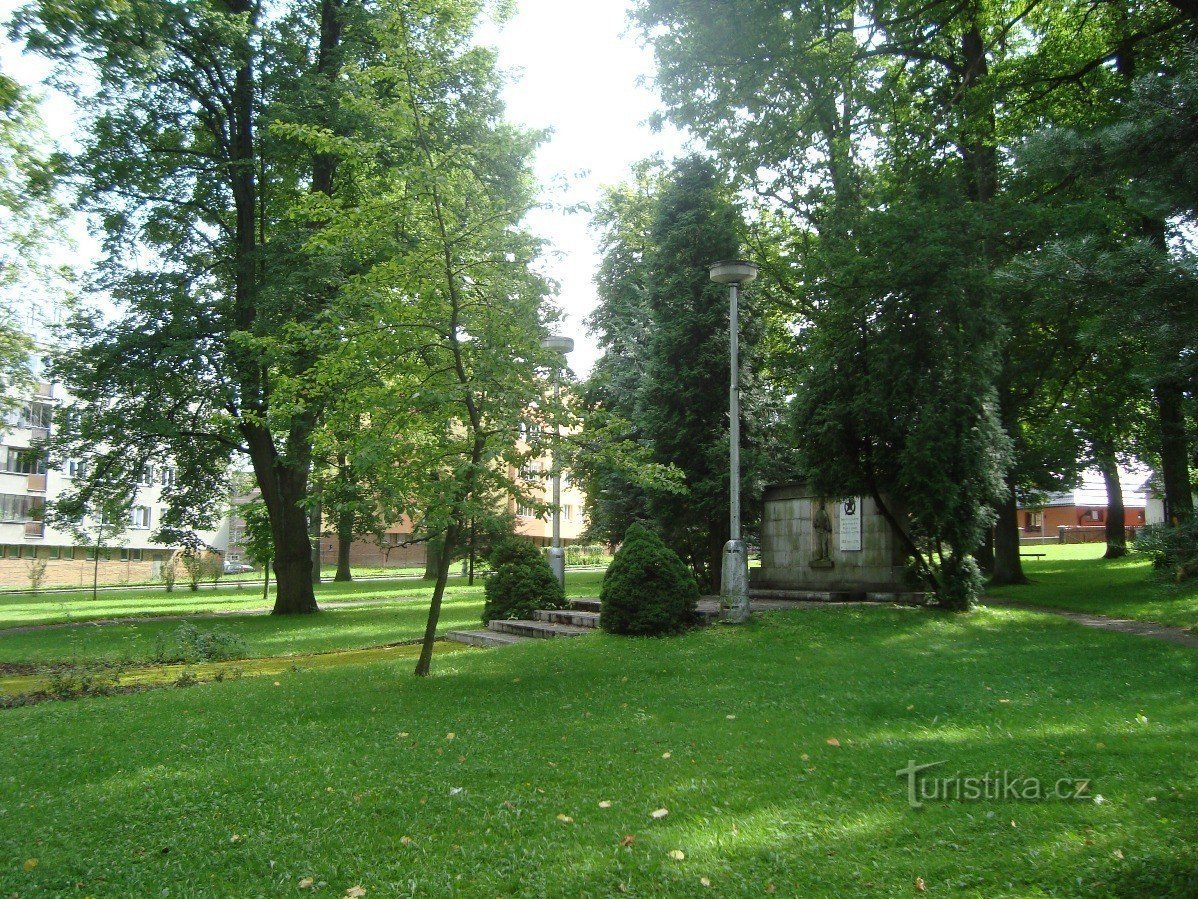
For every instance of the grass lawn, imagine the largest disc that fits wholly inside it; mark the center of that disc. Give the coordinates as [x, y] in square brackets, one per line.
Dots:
[774, 747]
[1078, 578]
[55, 608]
[268, 635]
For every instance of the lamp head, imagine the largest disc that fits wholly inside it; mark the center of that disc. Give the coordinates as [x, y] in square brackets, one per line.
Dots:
[733, 271]
[558, 343]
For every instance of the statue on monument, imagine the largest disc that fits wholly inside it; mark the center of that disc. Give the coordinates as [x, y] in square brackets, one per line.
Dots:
[821, 532]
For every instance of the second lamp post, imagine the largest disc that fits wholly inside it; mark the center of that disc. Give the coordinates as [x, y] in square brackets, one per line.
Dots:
[557, 556]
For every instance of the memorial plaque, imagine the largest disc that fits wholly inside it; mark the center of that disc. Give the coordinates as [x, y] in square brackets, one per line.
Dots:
[850, 524]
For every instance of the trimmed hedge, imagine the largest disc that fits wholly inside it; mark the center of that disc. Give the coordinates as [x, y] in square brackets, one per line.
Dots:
[647, 590]
[521, 582]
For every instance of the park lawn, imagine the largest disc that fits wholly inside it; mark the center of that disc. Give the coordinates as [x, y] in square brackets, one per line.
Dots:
[774, 747]
[1077, 578]
[399, 616]
[34, 609]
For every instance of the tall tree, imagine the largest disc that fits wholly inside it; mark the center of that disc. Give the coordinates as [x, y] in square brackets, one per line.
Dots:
[198, 162]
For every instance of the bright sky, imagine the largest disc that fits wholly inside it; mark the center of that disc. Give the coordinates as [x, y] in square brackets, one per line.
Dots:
[575, 71]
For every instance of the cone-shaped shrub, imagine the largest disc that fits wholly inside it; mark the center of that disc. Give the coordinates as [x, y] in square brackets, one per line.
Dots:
[521, 583]
[647, 589]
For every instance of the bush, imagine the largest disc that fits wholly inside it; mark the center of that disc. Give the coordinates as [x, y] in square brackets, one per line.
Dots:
[520, 583]
[1174, 549]
[647, 589]
[195, 645]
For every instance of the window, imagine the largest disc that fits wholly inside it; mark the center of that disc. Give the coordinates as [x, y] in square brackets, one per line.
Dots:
[526, 512]
[30, 552]
[146, 477]
[19, 460]
[12, 552]
[567, 513]
[139, 518]
[76, 469]
[36, 415]
[20, 508]
[167, 475]
[68, 552]
[1034, 520]
[55, 552]
[124, 555]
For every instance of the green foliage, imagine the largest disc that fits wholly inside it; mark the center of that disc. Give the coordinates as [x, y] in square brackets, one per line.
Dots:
[647, 590]
[520, 583]
[192, 644]
[663, 379]
[1172, 548]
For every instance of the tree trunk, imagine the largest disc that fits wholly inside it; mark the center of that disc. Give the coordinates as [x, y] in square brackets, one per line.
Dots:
[315, 528]
[1175, 466]
[1008, 566]
[985, 553]
[293, 547]
[434, 611]
[432, 558]
[345, 540]
[1116, 518]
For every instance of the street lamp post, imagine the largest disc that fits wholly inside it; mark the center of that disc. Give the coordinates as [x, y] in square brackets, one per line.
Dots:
[557, 556]
[734, 575]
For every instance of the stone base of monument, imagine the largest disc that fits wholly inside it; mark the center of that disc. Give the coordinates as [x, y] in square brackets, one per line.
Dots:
[828, 549]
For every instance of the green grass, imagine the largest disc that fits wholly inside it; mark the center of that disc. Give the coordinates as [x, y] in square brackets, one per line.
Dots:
[1079, 579]
[401, 618]
[454, 785]
[46, 608]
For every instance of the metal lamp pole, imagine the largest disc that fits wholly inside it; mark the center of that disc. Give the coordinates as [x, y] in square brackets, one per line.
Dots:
[734, 575]
[557, 556]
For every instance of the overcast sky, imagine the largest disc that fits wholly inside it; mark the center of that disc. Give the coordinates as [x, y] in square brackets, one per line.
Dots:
[576, 72]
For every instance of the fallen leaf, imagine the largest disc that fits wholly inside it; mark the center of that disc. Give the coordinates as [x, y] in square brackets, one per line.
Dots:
[665, 755]
[1100, 745]
[705, 881]
[628, 840]
[606, 803]
[305, 883]
[1118, 853]
[402, 734]
[406, 840]
[770, 888]
[277, 684]
[920, 885]
[677, 855]
[910, 708]
[805, 757]
[660, 813]
[565, 819]
[515, 680]
[236, 838]
[453, 791]
[355, 893]
[832, 741]
[730, 717]
[1004, 700]
[30, 864]
[451, 735]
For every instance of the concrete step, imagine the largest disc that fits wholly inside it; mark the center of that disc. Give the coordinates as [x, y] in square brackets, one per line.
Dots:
[585, 605]
[541, 629]
[567, 616]
[485, 639]
[766, 595]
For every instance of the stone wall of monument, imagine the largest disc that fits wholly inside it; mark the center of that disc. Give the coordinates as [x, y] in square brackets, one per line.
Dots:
[790, 546]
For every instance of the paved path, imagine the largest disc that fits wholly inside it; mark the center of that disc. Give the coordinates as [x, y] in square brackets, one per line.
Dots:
[1168, 633]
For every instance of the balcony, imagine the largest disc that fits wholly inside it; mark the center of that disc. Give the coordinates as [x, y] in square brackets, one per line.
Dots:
[35, 530]
[37, 483]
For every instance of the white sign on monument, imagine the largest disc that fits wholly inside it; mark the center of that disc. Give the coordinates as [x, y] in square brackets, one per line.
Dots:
[850, 524]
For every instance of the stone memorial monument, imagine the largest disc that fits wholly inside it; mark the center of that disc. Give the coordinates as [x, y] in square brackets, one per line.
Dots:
[829, 548]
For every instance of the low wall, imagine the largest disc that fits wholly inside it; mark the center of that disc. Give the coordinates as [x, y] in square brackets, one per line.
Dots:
[78, 572]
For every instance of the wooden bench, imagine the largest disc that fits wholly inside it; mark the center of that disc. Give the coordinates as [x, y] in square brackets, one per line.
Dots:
[1032, 555]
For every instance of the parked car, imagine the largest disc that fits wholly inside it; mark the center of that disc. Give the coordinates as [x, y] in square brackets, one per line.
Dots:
[238, 568]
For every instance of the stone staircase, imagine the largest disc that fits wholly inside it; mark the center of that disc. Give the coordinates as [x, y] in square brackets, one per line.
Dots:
[581, 618]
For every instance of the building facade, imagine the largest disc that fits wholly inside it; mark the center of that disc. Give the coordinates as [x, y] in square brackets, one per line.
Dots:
[32, 552]
[1079, 516]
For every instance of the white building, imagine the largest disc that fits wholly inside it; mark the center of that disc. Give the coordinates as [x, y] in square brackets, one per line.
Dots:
[26, 485]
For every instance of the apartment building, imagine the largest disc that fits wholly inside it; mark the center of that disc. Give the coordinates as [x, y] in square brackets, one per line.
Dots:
[29, 543]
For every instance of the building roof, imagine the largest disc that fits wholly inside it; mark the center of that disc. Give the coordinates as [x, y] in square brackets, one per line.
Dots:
[1092, 491]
